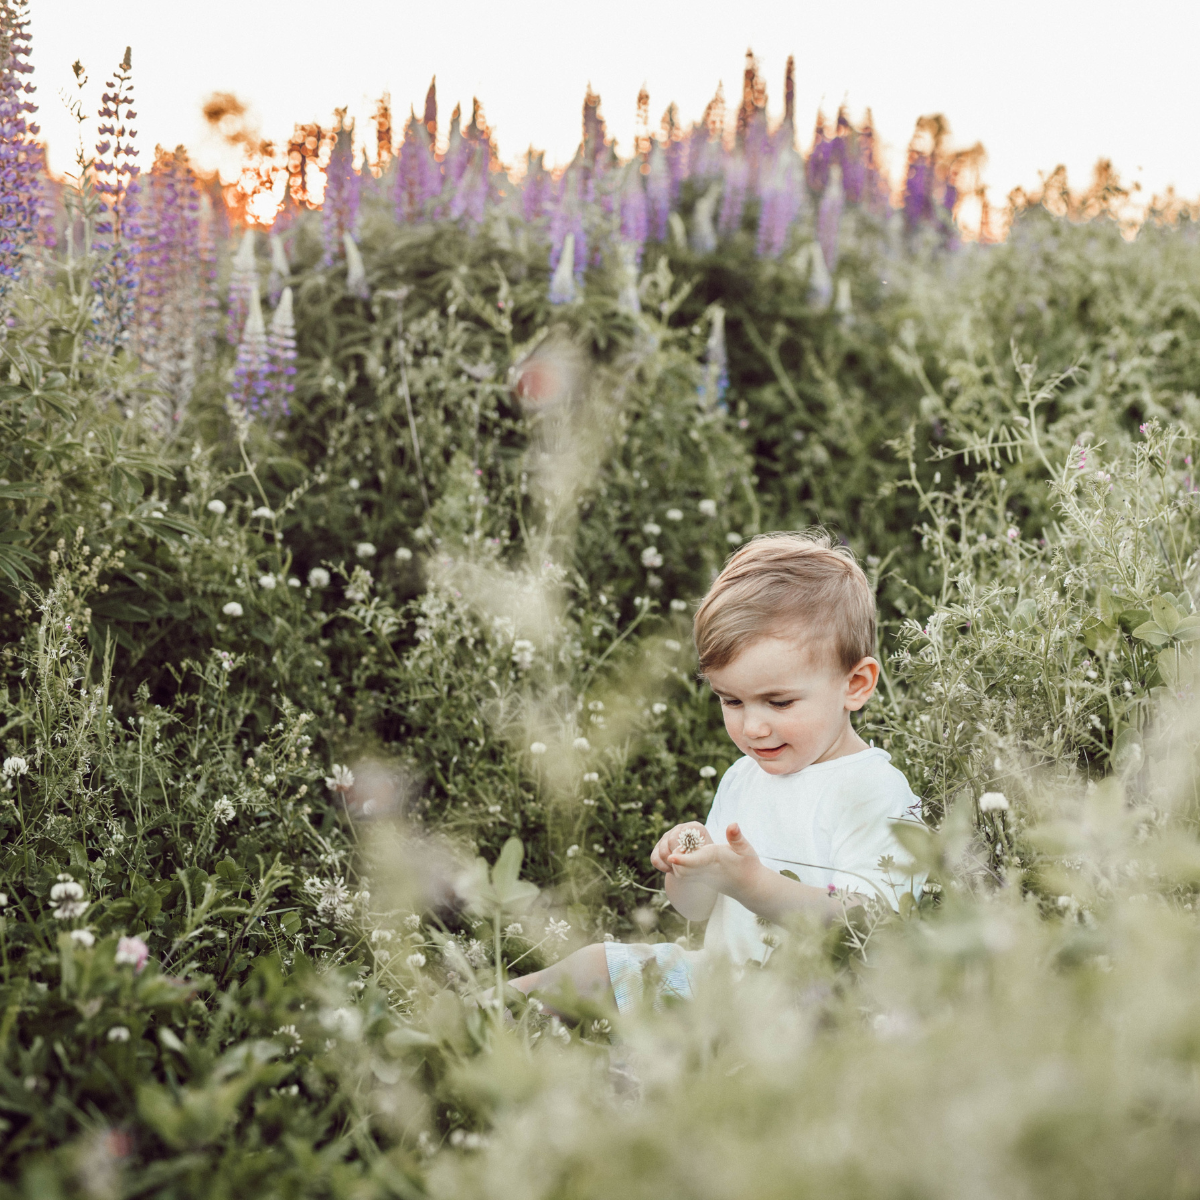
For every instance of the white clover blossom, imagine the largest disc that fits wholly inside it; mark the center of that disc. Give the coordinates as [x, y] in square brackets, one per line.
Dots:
[359, 586]
[340, 779]
[537, 748]
[413, 922]
[672, 645]
[690, 841]
[365, 549]
[3, 899]
[118, 1033]
[582, 744]
[707, 772]
[294, 582]
[333, 899]
[232, 609]
[267, 582]
[522, 654]
[224, 811]
[652, 529]
[216, 506]
[658, 708]
[733, 538]
[83, 937]
[403, 554]
[708, 508]
[674, 514]
[651, 557]
[262, 511]
[14, 766]
[66, 890]
[558, 931]
[318, 577]
[415, 961]
[516, 929]
[679, 606]
[591, 777]
[292, 1036]
[572, 851]
[993, 802]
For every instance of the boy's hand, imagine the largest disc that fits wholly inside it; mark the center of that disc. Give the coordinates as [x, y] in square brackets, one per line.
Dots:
[731, 869]
[668, 845]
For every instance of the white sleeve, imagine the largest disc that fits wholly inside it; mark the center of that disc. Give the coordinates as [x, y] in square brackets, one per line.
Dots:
[863, 837]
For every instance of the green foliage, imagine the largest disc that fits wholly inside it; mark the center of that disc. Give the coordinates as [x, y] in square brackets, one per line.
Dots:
[464, 566]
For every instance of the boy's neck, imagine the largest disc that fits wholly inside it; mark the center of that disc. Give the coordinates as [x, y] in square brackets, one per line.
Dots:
[847, 742]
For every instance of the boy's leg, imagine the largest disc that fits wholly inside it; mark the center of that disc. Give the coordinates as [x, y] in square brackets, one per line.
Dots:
[585, 971]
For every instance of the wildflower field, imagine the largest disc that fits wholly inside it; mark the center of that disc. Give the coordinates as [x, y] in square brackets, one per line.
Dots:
[348, 551]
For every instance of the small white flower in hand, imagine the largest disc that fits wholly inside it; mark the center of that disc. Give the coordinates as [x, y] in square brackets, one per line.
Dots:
[689, 841]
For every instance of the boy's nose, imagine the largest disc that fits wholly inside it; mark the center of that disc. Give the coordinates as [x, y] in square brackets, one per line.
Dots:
[756, 725]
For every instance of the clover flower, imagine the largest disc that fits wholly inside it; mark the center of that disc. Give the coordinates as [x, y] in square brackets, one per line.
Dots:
[224, 811]
[559, 931]
[83, 937]
[537, 748]
[652, 529]
[118, 1033]
[651, 557]
[216, 506]
[582, 744]
[523, 654]
[672, 645]
[343, 189]
[415, 961]
[280, 368]
[267, 582]
[707, 772]
[133, 952]
[403, 554]
[340, 779]
[318, 577]
[708, 508]
[658, 708]
[365, 549]
[67, 899]
[572, 851]
[516, 929]
[591, 777]
[689, 841]
[263, 511]
[14, 766]
[679, 606]
[674, 514]
[232, 609]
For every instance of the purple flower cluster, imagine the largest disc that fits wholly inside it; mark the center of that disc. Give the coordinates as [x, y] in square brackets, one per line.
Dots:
[281, 357]
[343, 191]
[251, 382]
[118, 231]
[172, 312]
[21, 159]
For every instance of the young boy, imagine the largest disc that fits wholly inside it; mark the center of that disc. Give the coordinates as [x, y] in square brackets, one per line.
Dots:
[786, 640]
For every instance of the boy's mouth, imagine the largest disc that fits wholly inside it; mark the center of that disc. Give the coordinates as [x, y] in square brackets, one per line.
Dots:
[768, 751]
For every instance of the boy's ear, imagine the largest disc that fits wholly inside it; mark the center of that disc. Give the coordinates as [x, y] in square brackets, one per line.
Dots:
[861, 683]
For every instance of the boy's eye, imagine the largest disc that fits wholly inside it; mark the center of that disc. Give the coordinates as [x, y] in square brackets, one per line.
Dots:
[729, 702]
[782, 703]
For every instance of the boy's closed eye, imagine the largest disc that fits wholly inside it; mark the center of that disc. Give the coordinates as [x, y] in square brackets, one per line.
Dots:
[730, 702]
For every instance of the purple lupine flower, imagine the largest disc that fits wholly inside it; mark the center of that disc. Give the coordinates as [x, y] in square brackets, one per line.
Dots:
[117, 228]
[281, 357]
[566, 219]
[659, 191]
[21, 159]
[850, 157]
[343, 190]
[458, 153]
[829, 217]
[171, 304]
[820, 158]
[782, 199]
[250, 375]
[705, 152]
[675, 149]
[635, 213]
[429, 119]
[875, 188]
[733, 203]
[242, 278]
[918, 189]
[537, 188]
[418, 176]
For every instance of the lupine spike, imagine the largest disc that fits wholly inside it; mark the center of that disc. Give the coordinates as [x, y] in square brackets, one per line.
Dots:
[280, 268]
[21, 163]
[343, 189]
[635, 216]
[281, 356]
[829, 217]
[250, 382]
[242, 277]
[356, 271]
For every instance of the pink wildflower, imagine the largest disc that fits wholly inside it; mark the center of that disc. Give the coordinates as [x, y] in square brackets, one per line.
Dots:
[132, 951]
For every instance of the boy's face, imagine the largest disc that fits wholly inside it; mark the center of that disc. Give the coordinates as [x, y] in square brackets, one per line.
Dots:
[787, 707]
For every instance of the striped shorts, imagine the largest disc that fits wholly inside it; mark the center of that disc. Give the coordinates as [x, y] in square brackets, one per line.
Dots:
[666, 965]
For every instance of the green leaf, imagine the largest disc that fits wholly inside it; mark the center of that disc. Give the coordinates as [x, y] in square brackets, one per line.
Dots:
[1165, 613]
[1152, 632]
[1024, 615]
[1188, 630]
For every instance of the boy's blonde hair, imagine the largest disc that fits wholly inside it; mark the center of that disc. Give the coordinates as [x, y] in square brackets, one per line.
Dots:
[785, 585]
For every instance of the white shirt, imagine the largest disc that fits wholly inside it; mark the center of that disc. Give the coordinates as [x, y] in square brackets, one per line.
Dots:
[828, 824]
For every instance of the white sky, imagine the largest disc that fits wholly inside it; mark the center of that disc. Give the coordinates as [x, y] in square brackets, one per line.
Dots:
[1037, 81]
